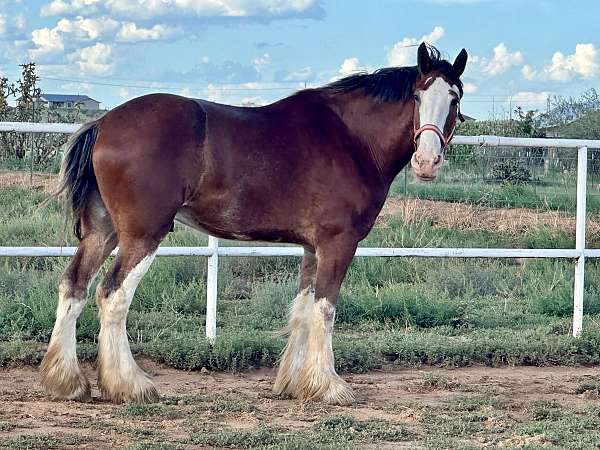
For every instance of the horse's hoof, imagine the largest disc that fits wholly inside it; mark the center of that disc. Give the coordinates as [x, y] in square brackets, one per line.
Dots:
[64, 380]
[137, 388]
[339, 394]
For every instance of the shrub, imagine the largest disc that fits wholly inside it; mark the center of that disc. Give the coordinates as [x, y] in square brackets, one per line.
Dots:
[512, 172]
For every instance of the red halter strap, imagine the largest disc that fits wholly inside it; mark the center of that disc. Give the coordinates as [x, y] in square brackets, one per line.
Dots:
[431, 127]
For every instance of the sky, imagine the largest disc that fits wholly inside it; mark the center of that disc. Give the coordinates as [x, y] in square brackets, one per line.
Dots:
[257, 51]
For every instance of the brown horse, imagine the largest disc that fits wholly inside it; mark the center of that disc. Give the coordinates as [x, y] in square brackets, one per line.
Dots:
[312, 169]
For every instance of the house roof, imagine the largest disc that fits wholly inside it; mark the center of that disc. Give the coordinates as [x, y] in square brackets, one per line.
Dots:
[66, 98]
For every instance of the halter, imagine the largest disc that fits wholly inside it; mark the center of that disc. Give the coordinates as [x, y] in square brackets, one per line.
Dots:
[432, 127]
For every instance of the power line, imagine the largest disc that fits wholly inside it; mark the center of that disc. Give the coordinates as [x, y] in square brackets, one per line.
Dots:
[159, 85]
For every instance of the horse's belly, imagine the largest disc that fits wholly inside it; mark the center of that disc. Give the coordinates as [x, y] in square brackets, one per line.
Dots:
[187, 217]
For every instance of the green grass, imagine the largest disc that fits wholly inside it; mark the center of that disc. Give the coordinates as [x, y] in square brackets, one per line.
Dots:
[402, 311]
[43, 442]
[331, 432]
[457, 184]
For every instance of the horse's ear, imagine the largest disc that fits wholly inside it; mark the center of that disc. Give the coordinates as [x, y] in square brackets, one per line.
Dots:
[423, 59]
[460, 62]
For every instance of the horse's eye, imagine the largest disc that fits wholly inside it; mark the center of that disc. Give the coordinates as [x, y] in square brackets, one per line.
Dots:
[454, 102]
[416, 97]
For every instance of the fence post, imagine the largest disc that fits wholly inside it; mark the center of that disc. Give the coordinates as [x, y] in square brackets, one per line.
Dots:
[211, 289]
[580, 241]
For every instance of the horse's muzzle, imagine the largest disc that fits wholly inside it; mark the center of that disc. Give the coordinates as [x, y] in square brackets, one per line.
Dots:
[426, 164]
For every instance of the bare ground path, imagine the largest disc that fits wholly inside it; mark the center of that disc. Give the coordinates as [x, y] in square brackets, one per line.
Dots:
[479, 406]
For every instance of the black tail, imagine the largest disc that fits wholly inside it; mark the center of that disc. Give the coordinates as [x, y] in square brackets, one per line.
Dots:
[77, 179]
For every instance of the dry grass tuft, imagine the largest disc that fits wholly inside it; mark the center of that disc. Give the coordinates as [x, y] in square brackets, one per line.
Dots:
[466, 216]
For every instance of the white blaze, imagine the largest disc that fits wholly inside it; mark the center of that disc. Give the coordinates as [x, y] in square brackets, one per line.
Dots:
[434, 109]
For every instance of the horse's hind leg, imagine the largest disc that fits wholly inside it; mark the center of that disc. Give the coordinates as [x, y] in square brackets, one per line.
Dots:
[61, 375]
[119, 377]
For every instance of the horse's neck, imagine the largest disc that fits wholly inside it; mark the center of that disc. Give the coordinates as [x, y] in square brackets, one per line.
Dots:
[385, 129]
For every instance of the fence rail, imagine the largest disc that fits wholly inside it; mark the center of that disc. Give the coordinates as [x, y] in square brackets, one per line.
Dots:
[213, 251]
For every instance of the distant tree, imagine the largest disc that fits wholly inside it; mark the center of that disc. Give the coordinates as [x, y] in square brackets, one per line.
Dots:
[27, 93]
[525, 123]
[44, 149]
[565, 110]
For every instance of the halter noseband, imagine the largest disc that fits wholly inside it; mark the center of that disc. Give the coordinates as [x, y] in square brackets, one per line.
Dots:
[432, 127]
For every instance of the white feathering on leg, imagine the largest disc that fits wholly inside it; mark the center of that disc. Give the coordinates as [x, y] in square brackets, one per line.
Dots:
[61, 375]
[307, 369]
[119, 377]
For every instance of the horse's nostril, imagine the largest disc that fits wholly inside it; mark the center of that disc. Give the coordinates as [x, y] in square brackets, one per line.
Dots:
[437, 160]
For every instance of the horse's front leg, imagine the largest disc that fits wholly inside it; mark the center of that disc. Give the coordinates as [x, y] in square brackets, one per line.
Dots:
[308, 370]
[292, 359]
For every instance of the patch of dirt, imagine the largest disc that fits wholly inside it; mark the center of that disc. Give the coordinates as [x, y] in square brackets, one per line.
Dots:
[391, 395]
[46, 182]
[466, 216]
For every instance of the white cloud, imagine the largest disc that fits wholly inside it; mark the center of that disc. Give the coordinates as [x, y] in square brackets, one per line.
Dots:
[55, 8]
[530, 99]
[348, 67]
[92, 28]
[53, 40]
[582, 62]
[404, 53]
[93, 60]
[564, 68]
[123, 93]
[261, 61]
[502, 60]
[147, 9]
[47, 41]
[469, 88]
[130, 32]
[528, 72]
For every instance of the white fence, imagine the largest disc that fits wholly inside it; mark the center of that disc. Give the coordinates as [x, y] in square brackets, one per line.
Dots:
[213, 251]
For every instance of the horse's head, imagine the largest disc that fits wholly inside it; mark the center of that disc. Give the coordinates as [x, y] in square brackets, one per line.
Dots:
[437, 95]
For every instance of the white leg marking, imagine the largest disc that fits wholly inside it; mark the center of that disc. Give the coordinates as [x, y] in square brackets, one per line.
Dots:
[61, 374]
[307, 367]
[120, 378]
[294, 354]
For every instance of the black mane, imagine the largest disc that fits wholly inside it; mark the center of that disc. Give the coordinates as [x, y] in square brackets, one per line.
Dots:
[392, 83]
